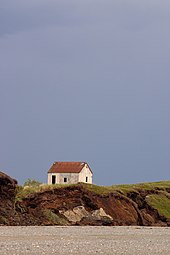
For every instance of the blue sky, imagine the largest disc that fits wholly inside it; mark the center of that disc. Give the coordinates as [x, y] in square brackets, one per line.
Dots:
[85, 81]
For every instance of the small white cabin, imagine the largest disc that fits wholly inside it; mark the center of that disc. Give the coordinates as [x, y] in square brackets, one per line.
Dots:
[69, 173]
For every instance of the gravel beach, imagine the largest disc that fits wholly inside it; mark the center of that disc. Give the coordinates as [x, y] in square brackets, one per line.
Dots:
[84, 240]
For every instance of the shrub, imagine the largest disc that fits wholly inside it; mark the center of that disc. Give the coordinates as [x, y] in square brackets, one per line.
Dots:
[30, 182]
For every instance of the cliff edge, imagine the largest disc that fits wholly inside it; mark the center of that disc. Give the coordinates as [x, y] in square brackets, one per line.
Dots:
[146, 204]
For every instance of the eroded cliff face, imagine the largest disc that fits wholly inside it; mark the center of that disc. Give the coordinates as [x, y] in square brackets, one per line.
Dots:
[7, 199]
[76, 205]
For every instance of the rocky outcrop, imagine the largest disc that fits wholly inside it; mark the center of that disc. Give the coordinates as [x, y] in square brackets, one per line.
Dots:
[79, 214]
[7, 199]
[76, 214]
[100, 213]
[77, 205]
[97, 218]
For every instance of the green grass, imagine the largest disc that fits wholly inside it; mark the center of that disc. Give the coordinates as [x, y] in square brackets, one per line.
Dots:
[125, 188]
[54, 218]
[101, 190]
[160, 202]
[24, 191]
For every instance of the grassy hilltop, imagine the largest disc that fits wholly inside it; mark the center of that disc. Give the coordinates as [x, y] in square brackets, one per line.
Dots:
[143, 204]
[158, 193]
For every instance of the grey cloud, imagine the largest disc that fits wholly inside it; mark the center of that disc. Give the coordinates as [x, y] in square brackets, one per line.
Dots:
[85, 80]
[25, 15]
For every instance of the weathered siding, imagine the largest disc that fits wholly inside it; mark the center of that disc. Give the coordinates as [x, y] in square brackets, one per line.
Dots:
[71, 178]
[85, 172]
[50, 177]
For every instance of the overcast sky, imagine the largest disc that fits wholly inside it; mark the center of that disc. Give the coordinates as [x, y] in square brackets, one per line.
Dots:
[85, 80]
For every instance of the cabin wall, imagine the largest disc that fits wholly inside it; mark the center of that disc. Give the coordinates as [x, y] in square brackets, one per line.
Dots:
[85, 173]
[64, 178]
[70, 178]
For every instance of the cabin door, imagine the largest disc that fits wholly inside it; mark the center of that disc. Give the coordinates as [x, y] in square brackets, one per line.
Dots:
[53, 179]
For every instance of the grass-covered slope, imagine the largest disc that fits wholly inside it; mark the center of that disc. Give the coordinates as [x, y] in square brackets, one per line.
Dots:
[154, 195]
[23, 191]
[160, 202]
[125, 188]
[146, 204]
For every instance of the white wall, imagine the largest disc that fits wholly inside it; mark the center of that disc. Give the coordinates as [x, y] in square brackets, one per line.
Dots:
[72, 177]
[85, 172]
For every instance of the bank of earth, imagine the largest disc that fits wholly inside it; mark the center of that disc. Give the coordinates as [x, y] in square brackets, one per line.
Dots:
[145, 204]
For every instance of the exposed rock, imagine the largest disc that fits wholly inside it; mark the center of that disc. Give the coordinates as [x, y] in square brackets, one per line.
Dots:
[7, 199]
[96, 221]
[76, 214]
[148, 218]
[76, 205]
[97, 218]
[101, 213]
[7, 185]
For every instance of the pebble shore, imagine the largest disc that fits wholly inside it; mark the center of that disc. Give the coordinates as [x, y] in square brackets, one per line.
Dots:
[84, 240]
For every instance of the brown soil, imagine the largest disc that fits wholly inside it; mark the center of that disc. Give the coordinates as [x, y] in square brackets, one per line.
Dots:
[45, 208]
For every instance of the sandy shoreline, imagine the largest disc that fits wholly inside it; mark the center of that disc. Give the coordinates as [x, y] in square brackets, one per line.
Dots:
[84, 240]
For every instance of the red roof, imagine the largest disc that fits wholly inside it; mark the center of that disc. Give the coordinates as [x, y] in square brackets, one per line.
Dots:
[67, 167]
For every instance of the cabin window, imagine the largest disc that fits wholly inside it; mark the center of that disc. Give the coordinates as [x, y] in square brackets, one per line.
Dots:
[65, 179]
[86, 179]
[53, 179]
